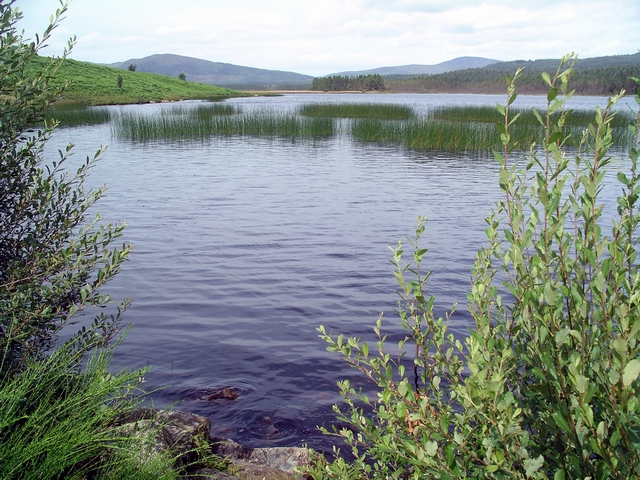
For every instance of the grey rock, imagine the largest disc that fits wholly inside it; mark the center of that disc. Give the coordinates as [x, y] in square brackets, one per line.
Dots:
[185, 436]
[271, 463]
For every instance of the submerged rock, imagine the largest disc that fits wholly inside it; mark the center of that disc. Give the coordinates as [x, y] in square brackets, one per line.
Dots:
[210, 394]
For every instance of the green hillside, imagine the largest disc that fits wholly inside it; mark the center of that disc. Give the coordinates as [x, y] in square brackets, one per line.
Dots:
[99, 85]
[217, 73]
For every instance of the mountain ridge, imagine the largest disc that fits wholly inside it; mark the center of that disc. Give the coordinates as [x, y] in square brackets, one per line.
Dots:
[213, 73]
[459, 63]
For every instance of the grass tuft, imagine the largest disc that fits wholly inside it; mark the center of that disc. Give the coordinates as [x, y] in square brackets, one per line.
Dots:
[56, 421]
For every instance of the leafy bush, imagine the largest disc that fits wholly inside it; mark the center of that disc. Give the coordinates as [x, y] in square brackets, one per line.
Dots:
[57, 405]
[53, 259]
[546, 383]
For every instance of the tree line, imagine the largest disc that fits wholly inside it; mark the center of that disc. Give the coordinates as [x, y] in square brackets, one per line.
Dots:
[597, 81]
[335, 83]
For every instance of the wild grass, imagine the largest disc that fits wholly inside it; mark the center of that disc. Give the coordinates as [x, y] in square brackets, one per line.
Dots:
[206, 111]
[56, 422]
[424, 134]
[358, 110]
[473, 129]
[487, 114]
[203, 124]
[77, 113]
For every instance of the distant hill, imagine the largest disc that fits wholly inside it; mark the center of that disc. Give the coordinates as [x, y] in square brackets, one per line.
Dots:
[594, 76]
[549, 65]
[215, 73]
[459, 63]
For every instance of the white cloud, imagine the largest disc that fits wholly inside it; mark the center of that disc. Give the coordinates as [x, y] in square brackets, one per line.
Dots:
[329, 36]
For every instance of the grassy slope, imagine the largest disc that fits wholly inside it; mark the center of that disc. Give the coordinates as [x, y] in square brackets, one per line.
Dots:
[98, 85]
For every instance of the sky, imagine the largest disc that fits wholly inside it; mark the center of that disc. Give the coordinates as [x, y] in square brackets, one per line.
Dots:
[327, 36]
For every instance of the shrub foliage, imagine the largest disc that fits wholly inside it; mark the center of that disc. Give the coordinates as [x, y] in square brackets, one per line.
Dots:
[546, 383]
[53, 259]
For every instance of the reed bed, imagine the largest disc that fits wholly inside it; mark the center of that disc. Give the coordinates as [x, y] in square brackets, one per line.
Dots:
[206, 111]
[487, 114]
[203, 110]
[387, 111]
[426, 134]
[165, 126]
[76, 113]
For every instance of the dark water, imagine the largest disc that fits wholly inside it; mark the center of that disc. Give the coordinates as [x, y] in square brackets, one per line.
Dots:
[244, 246]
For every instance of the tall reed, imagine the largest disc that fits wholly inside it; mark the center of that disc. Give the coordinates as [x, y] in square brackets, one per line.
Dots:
[358, 110]
[580, 118]
[431, 134]
[261, 123]
[77, 113]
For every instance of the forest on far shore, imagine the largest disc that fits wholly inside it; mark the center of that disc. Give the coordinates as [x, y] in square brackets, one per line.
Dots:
[597, 81]
[605, 75]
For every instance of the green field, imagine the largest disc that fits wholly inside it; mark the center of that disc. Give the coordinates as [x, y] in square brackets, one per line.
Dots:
[98, 85]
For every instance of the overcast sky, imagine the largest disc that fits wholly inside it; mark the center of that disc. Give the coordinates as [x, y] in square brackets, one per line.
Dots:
[326, 36]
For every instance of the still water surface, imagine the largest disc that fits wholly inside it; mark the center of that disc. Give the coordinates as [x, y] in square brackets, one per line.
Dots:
[244, 246]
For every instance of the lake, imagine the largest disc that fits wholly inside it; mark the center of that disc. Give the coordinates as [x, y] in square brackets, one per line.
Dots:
[243, 246]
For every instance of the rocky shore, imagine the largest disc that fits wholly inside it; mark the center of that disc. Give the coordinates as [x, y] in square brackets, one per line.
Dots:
[186, 437]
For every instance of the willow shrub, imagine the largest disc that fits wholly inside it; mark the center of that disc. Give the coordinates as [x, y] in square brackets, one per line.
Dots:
[546, 383]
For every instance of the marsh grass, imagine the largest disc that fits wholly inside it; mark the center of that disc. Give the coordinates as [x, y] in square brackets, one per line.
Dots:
[204, 124]
[423, 134]
[69, 114]
[206, 111]
[56, 419]
[486, 114]
[358, 110]
[447, 129]
[473, 129]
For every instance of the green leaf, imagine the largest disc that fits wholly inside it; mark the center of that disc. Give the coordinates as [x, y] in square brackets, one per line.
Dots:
[550, 294]
[546, 78]
[598, 282]
[504, 176]
[537, 115]
[582, 383]
[622, 178]
[562, 336]
[554, 137]
[403, 388]
[631, 372]
[562, 422]
[532, 465]
[431, 448]
[559, 475]
[552, 94]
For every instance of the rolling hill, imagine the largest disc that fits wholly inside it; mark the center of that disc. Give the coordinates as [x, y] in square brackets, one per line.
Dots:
[99, 85]
[550, 65]
[216, 73]
[459, 63]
